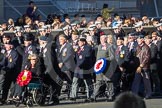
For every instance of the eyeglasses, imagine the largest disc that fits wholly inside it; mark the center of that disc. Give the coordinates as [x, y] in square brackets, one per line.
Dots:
[32, 59]
[154, 36]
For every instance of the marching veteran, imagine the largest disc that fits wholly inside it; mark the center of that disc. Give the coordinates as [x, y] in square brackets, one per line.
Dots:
[107, 51]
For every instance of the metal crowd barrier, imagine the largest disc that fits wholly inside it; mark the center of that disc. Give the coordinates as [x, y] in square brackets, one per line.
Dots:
[107, 30]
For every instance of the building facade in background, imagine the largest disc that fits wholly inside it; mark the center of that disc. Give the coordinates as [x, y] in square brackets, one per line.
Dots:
[16, 8]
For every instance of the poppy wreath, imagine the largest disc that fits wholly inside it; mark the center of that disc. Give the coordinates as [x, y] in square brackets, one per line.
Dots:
[24, 78]
[100, 66]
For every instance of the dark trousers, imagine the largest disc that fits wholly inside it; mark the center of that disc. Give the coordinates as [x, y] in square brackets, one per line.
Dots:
[67, 76]
[2, 78]
[145, 77]
[126, 81]
[155, 81]
[116, 82]
[160, 72]
[8, 80]
[101, 86]
[55, 88]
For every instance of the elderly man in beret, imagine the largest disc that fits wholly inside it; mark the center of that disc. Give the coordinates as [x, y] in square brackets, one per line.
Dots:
[83, 69]
[28, 48]
[9, 69]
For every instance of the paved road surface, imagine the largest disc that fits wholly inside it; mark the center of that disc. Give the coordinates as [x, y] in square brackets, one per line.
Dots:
[151, 103]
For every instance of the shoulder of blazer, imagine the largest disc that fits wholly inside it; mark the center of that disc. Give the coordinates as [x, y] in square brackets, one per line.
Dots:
[68, 44]
[124, 47]
[153, 45]
[13, 51]
[88, 47]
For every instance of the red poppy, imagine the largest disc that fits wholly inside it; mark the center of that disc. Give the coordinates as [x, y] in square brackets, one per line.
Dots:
[24, 78]
[99, 65]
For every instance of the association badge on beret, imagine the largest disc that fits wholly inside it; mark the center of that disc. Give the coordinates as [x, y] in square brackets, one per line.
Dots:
[100, 66]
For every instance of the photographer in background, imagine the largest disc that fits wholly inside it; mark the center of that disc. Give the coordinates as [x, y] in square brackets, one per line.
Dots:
[30, 12]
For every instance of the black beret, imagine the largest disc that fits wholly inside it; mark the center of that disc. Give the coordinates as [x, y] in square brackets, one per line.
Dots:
[28, 37]
[82, 15]
[120, 38]
[9, 43]
[6, 36]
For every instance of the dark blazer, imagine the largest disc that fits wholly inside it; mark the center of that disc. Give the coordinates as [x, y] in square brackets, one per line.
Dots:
[66, 56]
[9, 64]
[11, 61]
[25, 52]
[133, 60]
[154, 52]
[51, 62]
[132, 49]
[84, 63]
[159, 45]
[1, 60]
[121, 56]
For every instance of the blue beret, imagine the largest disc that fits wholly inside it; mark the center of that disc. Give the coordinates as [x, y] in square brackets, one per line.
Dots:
[43, 38]
[141, 36]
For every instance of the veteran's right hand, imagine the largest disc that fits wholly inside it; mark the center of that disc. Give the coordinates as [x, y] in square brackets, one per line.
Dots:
[139, 69]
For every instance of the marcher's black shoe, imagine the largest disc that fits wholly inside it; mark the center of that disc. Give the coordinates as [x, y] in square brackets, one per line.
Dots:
[53, 103]
[89, 100]
[157, 94]
[66, 90]
[2, 102]
[72, 99]
[93, 100]
[110, 99]
[147, 97]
